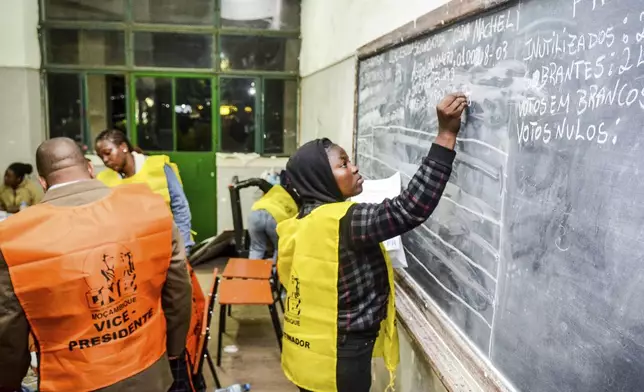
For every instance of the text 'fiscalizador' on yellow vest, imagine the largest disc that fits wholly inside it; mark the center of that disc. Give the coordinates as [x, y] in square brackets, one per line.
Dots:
[152, 173]
[278, 202]
[307, 263]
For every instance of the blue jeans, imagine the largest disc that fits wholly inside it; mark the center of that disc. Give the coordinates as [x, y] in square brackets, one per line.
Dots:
[262, 228]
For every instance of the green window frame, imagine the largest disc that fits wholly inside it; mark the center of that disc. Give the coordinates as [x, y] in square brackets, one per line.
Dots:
[131, 71]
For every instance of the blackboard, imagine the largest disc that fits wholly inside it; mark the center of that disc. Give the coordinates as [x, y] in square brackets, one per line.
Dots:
[536, 251]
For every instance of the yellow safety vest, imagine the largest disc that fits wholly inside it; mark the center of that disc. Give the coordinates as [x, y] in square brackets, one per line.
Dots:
[278, 202]
[307, 263]
[152, 173]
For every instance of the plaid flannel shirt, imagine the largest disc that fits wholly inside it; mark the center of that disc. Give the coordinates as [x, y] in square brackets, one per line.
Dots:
[363, 288]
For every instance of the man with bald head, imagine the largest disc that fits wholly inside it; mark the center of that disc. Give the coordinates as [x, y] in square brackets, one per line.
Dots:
[59, 162]
[98, 276]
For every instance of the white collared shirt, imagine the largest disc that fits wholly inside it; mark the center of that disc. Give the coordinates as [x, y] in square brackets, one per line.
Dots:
[63, 184]
[139, 161]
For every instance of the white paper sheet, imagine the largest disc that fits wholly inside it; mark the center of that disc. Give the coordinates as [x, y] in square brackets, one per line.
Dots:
[375, 191]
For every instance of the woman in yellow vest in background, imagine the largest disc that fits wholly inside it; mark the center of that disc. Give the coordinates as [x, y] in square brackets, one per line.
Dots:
[127, 164]
[277, 204]
[340, 303]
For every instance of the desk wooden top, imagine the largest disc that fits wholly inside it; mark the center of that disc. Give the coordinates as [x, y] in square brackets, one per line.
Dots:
[245, 292]
[248, 269]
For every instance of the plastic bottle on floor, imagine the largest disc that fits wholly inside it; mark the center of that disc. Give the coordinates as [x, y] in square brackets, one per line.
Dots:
[235, 388]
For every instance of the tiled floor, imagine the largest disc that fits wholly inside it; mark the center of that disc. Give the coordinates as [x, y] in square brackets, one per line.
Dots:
[257, 360]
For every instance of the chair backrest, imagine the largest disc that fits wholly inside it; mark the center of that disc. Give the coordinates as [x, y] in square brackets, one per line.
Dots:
[238, 220]
[202, 346]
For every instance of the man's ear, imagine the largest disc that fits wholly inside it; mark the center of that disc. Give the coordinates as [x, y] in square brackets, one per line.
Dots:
[90, 169]
[43, 183]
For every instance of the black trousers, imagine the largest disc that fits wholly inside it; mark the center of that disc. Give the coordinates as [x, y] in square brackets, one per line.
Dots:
[353, 371]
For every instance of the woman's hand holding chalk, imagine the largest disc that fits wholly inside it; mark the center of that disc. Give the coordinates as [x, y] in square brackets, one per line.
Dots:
[449, 112]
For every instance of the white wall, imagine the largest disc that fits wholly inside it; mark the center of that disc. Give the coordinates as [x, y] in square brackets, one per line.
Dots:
[21, 120]
[19, 46]
[327, 104]
[332, 31]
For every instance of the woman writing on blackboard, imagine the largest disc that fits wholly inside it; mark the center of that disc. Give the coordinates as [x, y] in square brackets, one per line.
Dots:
[340, 305]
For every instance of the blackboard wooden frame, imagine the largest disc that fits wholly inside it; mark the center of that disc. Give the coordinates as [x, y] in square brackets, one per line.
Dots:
[460, 366]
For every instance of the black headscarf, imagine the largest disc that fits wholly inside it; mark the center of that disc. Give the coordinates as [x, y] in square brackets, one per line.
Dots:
[311, 175]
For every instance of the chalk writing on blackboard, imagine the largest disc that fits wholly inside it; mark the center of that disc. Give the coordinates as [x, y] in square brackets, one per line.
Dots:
[535, 250]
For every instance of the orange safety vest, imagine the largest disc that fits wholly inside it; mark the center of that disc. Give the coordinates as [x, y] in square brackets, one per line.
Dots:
[89, 279]
[194, 340]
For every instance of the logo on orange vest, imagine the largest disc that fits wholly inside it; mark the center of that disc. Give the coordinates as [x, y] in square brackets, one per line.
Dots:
[111, 276]
[293, 303]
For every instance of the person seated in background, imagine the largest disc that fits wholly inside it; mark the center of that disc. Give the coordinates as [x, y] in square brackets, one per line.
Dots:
[279, 202]
[127, 164]
[18, 189]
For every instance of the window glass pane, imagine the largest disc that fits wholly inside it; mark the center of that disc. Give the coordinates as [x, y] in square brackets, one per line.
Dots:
[153, 113]
[237, 111]
[174, 11]
[261, 14]
[173, 50]
[194, 114]
[64, 101]
[106, 104]
[85, 10]
[280, 116]
[86, 47]
[259, 53]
